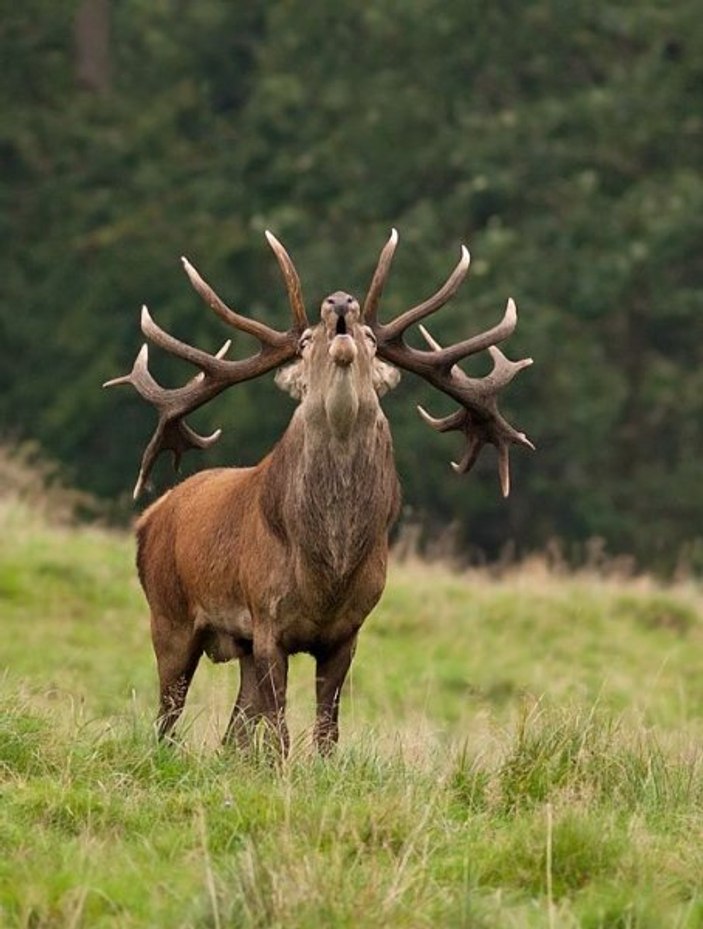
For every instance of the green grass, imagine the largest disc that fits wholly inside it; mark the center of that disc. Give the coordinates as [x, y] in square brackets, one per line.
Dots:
[515, 753]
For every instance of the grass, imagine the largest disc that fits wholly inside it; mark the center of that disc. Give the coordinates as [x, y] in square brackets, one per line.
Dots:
[522, 752]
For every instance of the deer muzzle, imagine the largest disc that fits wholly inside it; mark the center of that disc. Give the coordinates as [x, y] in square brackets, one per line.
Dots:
[343, 350]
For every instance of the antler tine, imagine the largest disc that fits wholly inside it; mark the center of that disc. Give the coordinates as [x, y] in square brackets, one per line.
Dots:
[260, 331]
[395, 329]
[430, 339]
[482, 341]
[504, 370]
[141, 379]
[139, 368]
[200, 376]
[174, 346]
[504, 468]
[378, 281]
[443, 423]
[178, 437]
[292, 281]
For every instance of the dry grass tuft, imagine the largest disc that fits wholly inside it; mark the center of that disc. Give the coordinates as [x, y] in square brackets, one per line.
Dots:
[28, 477]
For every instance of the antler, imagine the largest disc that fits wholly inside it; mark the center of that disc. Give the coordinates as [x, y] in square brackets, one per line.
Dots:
[479, 418]
[216, 373]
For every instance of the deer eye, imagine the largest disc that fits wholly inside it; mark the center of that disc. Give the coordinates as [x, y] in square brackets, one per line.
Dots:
[305, 340]
[368, 332]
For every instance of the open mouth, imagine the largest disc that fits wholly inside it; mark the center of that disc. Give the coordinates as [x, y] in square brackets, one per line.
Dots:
[343, 350]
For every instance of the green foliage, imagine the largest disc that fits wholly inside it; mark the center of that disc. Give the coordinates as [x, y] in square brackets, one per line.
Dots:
[561, 141]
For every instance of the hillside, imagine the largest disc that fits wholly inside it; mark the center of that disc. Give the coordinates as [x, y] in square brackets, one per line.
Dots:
[516, 751]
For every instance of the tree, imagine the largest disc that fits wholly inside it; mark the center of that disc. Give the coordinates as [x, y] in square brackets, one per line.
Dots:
[561, 142]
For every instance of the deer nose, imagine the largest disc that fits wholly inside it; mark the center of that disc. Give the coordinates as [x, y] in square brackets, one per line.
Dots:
[340, 303]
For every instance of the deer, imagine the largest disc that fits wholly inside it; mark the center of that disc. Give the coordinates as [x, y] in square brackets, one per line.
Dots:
[290, 555]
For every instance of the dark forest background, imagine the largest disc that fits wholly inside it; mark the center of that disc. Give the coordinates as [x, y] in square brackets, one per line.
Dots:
[561, 141]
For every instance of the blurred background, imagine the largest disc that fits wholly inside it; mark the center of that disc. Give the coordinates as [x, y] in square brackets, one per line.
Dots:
[561, 141]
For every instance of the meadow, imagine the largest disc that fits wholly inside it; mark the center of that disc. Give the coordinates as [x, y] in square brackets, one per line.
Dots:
[516, 751]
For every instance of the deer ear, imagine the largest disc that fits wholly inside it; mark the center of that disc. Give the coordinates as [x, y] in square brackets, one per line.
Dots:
[385, 377]
[291, 380]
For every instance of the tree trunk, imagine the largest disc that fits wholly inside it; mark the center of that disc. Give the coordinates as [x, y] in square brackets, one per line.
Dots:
[91, 30]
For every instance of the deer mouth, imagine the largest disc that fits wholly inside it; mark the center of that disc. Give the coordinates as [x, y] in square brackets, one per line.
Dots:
[341, 326]
[342, 350]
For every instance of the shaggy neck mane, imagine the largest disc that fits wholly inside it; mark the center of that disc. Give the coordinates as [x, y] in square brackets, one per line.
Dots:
[339, 496]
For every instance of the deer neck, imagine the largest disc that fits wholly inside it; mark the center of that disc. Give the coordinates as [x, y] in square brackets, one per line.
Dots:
[334, 484]
[339, 413]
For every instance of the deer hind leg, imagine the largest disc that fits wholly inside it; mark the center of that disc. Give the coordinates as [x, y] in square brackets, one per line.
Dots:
[271, 673]
[331, 671]
[246, 710]
[178, 652]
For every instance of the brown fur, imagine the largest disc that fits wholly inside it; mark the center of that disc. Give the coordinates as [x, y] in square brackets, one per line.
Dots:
[288, 556]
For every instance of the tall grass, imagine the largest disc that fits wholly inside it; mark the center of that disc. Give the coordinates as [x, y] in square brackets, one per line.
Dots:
[516, 752]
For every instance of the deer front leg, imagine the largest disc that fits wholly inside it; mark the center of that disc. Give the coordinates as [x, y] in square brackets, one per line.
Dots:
[271, 670]
[331, 671]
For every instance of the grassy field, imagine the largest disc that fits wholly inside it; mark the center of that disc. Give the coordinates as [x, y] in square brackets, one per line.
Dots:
[522, 752]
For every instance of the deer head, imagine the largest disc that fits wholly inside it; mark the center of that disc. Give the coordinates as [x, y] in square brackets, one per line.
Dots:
[338, 376]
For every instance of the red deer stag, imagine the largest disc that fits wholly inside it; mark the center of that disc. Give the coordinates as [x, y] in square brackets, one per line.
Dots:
[290, 555]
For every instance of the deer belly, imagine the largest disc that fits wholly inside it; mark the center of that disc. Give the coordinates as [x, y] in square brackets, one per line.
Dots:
[310, 627]
[226, 633]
